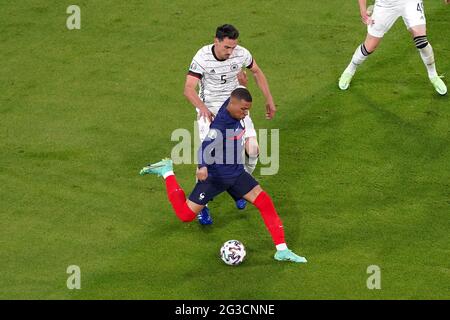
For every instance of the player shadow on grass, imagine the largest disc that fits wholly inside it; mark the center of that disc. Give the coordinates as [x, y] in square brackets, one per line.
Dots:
[411, 129]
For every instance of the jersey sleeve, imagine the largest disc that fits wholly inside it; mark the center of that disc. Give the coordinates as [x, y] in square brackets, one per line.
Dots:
[197, 69]
[248, 59]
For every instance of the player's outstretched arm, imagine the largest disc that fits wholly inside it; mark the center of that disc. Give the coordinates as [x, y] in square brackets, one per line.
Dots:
[191, 94]
[362, 6]
[262, 83]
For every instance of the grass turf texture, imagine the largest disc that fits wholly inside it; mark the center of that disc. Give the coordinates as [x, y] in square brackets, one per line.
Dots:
[364, 174]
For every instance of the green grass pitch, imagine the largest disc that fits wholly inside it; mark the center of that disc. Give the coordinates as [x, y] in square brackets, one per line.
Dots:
[364, 175]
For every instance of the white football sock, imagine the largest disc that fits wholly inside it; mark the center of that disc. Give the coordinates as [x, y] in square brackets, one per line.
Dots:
[168, 173]
[281, 246]
[427, 56]
[358, 58]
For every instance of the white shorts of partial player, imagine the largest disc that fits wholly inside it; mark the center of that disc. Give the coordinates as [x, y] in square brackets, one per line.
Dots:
[386, 12]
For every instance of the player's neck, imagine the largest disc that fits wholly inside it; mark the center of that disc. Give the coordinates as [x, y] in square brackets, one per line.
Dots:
[213, 50]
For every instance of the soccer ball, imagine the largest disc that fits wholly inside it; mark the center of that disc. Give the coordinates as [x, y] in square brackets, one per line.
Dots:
[232, 252]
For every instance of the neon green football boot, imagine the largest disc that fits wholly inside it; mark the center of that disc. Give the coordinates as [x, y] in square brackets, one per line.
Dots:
[288, 255]
[439, 85]
[344, 80]
[159, 168]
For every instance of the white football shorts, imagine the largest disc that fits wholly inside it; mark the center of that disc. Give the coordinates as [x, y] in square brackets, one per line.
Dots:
[412, 12]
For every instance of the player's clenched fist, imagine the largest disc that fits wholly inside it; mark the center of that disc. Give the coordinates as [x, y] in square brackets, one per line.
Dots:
[202, 173]
[270, 110]
[242, 78]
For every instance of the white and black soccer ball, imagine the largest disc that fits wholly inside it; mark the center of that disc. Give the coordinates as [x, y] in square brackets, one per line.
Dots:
[233, 252]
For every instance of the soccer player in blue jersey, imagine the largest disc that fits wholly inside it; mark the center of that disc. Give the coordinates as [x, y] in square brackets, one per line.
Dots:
[220, 169]
[217, 69]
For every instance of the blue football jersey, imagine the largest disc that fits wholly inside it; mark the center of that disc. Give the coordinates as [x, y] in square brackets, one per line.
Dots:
[222, 150]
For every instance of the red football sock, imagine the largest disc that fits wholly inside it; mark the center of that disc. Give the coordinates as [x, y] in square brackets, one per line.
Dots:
[178, 200]
[273, 222]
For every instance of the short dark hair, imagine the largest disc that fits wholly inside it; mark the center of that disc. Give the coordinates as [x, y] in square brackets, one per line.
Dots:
[242, 94]
[227, 31]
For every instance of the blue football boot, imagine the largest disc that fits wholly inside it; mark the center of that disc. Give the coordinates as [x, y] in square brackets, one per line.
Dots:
[204, 218]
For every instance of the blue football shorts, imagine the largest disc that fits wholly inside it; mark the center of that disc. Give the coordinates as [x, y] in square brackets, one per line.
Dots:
[237, 187]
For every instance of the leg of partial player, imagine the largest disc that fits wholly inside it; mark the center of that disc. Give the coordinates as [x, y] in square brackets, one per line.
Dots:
[204, 216]
[185, 210]
[250, 161]
[426, 53]
[251, 154]
[362, 52]
[263, 202]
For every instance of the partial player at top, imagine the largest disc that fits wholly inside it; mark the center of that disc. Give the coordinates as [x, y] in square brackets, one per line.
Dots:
[217, 66]
[380, 21]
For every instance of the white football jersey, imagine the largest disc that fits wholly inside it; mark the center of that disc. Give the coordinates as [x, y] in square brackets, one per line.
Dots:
[218, 78]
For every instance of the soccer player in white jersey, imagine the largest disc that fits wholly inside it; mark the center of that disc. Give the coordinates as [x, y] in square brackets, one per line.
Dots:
[216, 68]
[384, 15]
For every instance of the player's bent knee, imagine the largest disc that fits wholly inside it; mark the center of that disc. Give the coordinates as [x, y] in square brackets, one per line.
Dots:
[371, 43]
[253, 194]
[418, 31]
[195, 207]
[190, 211]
